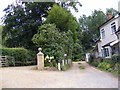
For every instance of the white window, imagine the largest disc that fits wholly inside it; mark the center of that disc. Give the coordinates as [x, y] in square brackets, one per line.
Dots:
[103, 33]
[113, 28]
[106, 52]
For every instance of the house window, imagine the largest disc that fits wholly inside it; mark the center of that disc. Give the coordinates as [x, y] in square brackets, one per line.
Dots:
[106, 52]
[113, 27]
[103, 33]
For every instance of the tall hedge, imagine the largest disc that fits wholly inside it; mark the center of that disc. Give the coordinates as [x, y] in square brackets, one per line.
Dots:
[21, 55]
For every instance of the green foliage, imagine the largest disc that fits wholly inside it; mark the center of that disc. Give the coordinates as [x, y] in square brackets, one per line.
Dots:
[89, 26]
[81, 67]
[21, 23]
[115, 59]
[91, 59]
[50, 63]
[19, 54]
[95, 63]
[70, 4]
[63, 20]
[77, 51]
[52, 42]
[112, 11]
[66, 66]
[11, 61]
[76, 60]
[104, 66]
[110, 70]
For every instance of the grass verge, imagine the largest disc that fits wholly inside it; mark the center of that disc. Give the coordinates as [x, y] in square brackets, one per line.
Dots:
[66, 66]
[81, 67]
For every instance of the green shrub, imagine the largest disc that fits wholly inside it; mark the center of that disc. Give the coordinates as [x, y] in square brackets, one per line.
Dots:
[91, 59]
[76, 60]
[11, 61]
[22, 56]
[107, 66]
[110, 70]
[115, 59]
[100, 59]
[95, 63]
[104, 65]
[52, 63]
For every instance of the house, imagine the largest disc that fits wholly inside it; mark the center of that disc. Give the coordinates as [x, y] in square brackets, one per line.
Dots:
[118, 35]
[108, 43]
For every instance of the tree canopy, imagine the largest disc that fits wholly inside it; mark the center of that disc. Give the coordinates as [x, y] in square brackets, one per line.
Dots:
[52, 41]
[63, 20]
[22, 21]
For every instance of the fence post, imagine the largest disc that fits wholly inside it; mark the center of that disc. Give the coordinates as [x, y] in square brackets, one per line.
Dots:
[59, 66]
[40, 59]
[63, 62]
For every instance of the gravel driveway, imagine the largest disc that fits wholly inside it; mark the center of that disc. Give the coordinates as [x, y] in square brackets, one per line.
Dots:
[28, 77]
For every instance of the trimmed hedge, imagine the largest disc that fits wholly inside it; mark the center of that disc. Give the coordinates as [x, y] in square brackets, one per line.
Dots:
[22, 56]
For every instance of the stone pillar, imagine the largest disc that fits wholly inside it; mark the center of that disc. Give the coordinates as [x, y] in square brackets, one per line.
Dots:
[40, 59]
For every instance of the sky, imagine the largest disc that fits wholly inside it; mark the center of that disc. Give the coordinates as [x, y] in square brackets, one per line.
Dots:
[87, 6]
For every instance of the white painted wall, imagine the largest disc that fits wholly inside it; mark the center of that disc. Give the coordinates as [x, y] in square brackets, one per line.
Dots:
[109, 37]
[99, 49]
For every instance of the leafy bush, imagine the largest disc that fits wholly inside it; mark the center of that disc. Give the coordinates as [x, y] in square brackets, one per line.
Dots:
[95, 63]
[115, 59]
[22, 56]
[52, 63]
[104, 65]
[91, 59]
[110, 70]
[11, 61]
[100, 59]
[76, 60]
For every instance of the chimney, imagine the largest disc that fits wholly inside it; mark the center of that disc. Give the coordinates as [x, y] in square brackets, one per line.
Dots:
[109, 15]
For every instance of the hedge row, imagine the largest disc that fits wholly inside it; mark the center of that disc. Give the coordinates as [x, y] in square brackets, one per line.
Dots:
[22, 56]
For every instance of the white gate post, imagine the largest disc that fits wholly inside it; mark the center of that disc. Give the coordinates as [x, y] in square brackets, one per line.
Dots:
[63, 62]
[59, 66]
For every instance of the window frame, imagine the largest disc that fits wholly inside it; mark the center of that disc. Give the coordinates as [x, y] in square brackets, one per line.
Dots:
[106, 52]
[102, 33]
[113, 28]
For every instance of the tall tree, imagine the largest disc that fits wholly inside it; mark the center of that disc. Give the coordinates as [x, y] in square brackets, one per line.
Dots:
[69, 4]
[63, 20]
[112, 11]
[89, 26]
[53, 42]
[22, 21]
